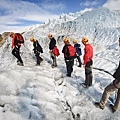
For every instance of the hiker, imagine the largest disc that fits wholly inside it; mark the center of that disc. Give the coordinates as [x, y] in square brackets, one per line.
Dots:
[52, 44]
[16, 44]
[78, 51]
[69, 55]
[37, 50]
[113, 86]
[88, 56]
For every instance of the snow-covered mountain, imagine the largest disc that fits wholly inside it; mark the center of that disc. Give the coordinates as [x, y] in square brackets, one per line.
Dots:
[42, 93]
[101, 26]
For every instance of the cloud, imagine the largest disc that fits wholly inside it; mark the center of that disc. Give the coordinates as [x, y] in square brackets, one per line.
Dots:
[86, 9]
[52, 5]
[12, 12]
[112, 4]
[89, 3]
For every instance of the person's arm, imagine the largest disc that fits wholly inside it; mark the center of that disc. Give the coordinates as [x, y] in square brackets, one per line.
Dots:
[13, 41]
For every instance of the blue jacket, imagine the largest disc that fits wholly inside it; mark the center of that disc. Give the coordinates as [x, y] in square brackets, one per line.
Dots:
[78, 49]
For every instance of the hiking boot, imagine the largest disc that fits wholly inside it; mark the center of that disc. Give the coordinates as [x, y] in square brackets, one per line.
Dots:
[37, 64]
[20, 64]
[68, 75]
[97, 104]
[112, 108]
[85, 86]
[53, 66]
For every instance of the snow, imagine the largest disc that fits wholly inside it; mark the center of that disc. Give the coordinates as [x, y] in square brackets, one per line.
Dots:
[43, 93]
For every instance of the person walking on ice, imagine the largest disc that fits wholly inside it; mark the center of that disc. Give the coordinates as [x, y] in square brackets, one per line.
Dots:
[37, 50]
[17, 40]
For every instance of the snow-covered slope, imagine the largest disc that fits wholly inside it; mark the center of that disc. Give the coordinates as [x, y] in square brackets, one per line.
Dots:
[42, 93]
[101, 26]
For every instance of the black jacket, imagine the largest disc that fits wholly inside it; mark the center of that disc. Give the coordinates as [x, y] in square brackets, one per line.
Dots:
[117, 73]
[52, 43]
[37, 47]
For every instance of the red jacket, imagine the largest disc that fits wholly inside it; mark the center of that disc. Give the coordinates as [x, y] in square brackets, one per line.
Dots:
[88, 53]
[14, 41]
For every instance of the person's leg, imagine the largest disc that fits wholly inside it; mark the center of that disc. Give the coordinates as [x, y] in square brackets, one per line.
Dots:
[79, 60]
[37, 58]
[71, 64]
[88, 73]
[90, 77]
[16, 53]
[110, 88]
[54, 60]
[117, 102]
[69, 68]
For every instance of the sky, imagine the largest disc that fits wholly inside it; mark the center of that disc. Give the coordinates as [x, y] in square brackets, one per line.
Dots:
[16, 15]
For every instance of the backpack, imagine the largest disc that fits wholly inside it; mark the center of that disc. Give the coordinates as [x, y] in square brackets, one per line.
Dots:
[19, 38]
[56, 51]
[72, 51]
[37, 47]
[78, 50]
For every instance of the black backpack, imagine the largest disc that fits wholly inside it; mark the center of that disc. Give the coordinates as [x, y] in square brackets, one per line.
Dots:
[37, 47]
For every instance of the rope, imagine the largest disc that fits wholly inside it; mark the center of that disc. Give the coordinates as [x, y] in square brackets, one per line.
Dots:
[102, 70]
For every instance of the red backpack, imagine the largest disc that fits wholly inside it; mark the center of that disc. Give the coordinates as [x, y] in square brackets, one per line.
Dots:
[72, 50]
[19, 38]
[56, 51]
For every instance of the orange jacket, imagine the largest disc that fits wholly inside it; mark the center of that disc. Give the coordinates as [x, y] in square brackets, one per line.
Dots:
[14, 41]
[88, 53]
